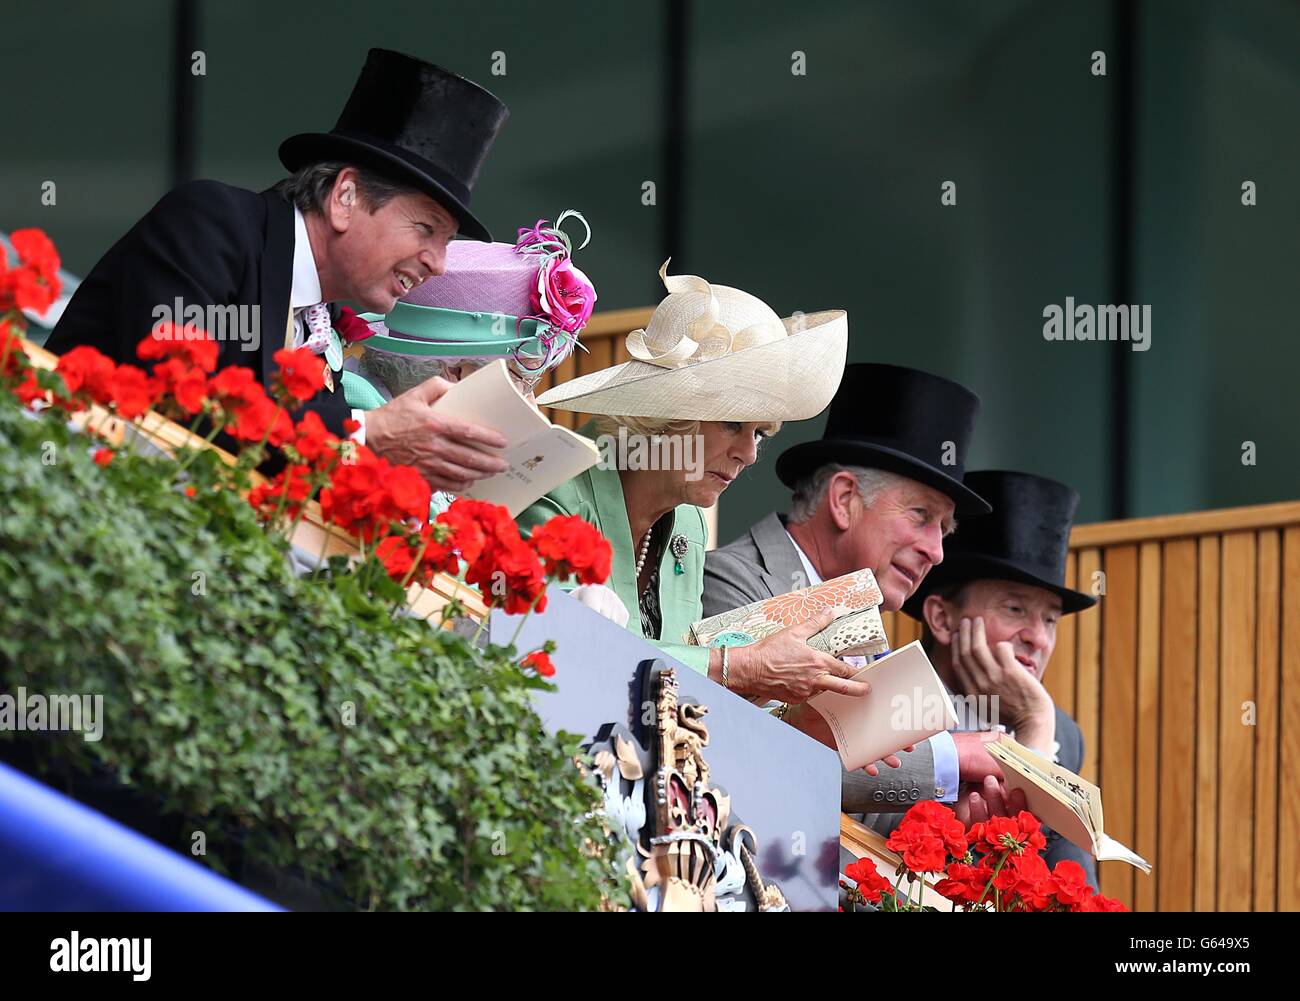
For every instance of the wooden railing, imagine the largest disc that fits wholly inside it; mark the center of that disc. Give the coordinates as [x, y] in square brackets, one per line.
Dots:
[1185, 679]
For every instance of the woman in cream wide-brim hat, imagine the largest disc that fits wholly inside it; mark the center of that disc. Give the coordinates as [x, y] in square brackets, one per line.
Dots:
[714, 372]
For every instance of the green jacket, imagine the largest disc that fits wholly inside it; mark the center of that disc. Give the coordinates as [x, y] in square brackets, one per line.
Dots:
[597, 497]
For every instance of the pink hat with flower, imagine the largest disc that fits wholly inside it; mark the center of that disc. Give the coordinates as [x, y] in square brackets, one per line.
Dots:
[525, 300]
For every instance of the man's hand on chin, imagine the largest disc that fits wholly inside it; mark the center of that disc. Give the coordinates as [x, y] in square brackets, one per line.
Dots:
[451, 454]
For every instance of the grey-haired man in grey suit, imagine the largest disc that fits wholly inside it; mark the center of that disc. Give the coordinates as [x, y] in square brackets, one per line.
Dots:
[880, 489]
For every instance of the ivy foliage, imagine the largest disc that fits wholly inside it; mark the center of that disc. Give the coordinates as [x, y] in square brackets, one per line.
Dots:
[391, 764]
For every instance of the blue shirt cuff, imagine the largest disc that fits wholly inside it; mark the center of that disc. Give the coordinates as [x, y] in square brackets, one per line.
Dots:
[947, 769]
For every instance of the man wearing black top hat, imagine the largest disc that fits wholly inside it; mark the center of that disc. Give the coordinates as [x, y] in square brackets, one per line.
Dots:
[990, 614]
[366, 215]
[880, 489]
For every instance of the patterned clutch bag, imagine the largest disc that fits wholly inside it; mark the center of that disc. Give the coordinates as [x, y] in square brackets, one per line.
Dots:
[854, 599]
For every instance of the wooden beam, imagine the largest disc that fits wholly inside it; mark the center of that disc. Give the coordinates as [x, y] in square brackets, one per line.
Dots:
[1109, 533]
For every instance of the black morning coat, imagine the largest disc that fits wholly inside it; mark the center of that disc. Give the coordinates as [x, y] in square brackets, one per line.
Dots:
[208, 244]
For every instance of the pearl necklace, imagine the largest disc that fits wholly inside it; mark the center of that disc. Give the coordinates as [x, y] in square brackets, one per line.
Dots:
[643, 554]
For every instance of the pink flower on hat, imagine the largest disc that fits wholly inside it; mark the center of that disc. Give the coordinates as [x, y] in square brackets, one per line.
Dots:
[564, 295]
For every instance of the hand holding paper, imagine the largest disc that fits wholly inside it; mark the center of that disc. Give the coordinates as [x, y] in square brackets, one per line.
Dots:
[907, 703]
[539, 455]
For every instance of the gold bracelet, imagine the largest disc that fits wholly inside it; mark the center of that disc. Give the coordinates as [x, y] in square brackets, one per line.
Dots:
[785, 708]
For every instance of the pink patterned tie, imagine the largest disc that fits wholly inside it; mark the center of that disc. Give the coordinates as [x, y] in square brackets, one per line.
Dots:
[316, 324]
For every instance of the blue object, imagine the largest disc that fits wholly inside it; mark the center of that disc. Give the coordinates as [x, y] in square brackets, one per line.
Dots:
[57, 855]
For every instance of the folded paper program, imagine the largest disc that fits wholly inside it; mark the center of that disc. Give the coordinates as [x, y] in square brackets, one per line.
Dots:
[854, 599]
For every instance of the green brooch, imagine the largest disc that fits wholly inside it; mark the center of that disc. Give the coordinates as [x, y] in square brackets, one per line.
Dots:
[678, 547]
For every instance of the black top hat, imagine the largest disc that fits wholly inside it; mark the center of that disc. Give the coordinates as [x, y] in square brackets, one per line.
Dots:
[416, 122]
[898, 419]
[1026, 539]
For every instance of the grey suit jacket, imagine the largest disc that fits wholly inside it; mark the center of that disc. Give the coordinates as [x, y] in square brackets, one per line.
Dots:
[1069, 738]
[763, 563]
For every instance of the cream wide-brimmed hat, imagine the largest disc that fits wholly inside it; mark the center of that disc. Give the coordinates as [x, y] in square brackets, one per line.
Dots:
[714, 353]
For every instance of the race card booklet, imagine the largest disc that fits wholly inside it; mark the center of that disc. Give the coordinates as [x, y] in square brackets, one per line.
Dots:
[907, 703]
[1063, 801]
[853, 599]
[541, 455]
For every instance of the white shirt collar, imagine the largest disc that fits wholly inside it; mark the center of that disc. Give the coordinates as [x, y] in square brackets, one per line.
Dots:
[813, 576]
[306, 281]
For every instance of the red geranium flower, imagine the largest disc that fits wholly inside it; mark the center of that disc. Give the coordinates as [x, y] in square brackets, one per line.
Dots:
[189, 343]
[471, 525]
[540, 662]
[103, 456]
[439, 551]
[572, 547]
[251, 414]
[927, 835]
[518, 571]
[868, 879]
[11, 344]
[133, 391]
[186, 384]
[353, 498]
[406, 494]
[1027, 877]
[397, 556]
[965, 884]
[29, 390]
[921, 849]
[235, 386]
[37, 251]
[1071, 883]
[998, 834]
[29, 291]
[942, 823]
[311, 439]
[1098, 903]
[302, 373]
[89, 372]
[504, 568]
[293, 484]
[34, 284]
[261, 420]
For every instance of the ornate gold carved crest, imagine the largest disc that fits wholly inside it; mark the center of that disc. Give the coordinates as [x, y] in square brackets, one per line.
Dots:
[692, 855]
